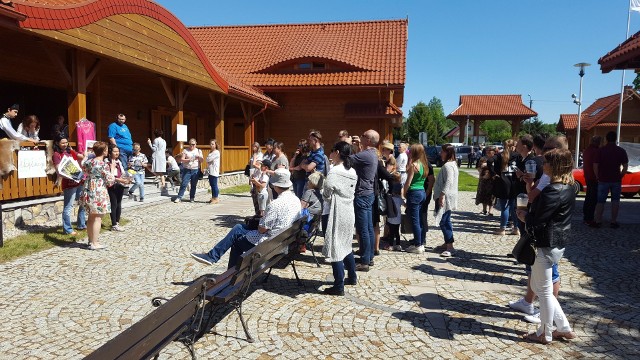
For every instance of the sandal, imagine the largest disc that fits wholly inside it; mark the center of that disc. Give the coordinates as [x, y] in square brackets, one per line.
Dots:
[535, 338]
[447, 253]
[73, 233]
[564, 335]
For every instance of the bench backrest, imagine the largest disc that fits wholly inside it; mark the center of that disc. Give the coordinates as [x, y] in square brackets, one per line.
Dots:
[258, 259]
[148, 336]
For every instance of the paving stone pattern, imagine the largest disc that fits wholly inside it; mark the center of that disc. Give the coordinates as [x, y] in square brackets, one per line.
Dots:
[67, 301]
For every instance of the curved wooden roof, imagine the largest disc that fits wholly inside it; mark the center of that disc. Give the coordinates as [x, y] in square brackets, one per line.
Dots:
[491, 107]
[371, 52]
[624, 56]
[138, 32]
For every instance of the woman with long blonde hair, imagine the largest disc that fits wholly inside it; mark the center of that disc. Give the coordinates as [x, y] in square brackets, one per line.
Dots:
[414, 194]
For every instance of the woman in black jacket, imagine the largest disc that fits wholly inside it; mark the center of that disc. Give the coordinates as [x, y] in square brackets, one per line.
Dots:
[548, 221]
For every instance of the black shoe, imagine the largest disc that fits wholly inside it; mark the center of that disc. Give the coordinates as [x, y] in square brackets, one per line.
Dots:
[371, 263]
[350, 282]
[376, 253]
[362, 267]
[614, 225]
[333, 291]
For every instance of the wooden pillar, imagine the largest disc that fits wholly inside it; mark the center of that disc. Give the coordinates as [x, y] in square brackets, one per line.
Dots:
[462, 124]
[247, 111]
[219, 105]
[177, 93]
[77, 107]
[515, 128]
[476, 131]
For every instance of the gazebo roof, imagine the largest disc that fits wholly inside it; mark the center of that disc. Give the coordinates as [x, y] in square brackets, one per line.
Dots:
[624, 56]
[598, 113]
[491, 107]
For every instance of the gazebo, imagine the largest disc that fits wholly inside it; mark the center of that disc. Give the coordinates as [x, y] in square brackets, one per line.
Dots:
[479, 108]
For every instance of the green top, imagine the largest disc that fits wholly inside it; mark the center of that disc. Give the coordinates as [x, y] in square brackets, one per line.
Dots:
[417, 182]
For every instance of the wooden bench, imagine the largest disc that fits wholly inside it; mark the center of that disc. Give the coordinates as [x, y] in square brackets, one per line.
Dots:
[183, 316]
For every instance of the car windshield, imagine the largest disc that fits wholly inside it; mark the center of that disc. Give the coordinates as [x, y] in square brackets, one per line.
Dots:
[463, 150]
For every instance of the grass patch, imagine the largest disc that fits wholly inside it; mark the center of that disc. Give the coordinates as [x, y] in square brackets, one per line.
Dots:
[33, 242]
[466, 182]
[238, 189]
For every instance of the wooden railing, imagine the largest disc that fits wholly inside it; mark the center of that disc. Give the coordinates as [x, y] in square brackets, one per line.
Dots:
[234, 158]
[14, 188]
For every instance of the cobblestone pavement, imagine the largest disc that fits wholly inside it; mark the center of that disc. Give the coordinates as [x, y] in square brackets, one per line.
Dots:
[64, 302]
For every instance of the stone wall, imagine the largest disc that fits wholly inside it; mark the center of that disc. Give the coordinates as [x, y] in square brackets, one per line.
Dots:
[48, 212]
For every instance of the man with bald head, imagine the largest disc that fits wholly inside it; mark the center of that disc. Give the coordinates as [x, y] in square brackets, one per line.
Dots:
[366, 164]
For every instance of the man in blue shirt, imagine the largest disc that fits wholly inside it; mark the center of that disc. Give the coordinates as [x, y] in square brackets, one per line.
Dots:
[315, 160]
[120, 136]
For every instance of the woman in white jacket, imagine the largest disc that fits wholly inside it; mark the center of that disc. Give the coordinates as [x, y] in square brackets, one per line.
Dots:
[158, 158]
[338, 194]
[445, 193]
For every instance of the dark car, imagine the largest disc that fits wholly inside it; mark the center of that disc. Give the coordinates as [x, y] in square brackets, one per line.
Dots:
[462, 154]
[433, 155]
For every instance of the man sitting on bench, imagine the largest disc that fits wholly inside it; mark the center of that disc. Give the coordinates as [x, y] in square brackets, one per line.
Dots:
[280, 214]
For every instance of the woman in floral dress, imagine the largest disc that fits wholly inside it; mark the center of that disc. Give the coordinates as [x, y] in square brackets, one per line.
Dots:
[95, 197]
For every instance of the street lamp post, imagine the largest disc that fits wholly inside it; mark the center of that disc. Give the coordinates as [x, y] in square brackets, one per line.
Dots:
[578, 101]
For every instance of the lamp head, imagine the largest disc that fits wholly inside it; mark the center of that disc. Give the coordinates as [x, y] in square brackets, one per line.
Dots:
[573, 96]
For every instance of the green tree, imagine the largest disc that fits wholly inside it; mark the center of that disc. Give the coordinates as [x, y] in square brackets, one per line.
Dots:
[496, 130]
[636, 82]
[427, 118]
[535, 127]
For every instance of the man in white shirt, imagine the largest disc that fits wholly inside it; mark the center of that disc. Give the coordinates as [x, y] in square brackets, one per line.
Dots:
[280, 214]
[6, 129]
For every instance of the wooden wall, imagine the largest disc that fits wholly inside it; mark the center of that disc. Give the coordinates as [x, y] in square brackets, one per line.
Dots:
[321, 110]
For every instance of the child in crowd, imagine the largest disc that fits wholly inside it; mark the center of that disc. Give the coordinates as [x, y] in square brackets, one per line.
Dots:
[484, 194]
[394, 222]
[173, 170]
[137, 164]
[259, 193]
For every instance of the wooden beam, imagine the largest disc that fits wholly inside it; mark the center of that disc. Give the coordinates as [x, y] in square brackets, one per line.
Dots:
[214, 102]
[183, 94]
[93, 70]
[59, 62]
[168, 89]
[77, 108]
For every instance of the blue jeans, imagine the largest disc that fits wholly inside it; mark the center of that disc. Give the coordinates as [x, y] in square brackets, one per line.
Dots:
[363, 206]
[447, 227]
[70, 195]
[603, 191]
[415, 199]
[236, 241]
[298, 187]
[507, 210]
[124, 158]
[139, 179]
[338, 267]
[555, 273]
[188, 175]
[213, 182]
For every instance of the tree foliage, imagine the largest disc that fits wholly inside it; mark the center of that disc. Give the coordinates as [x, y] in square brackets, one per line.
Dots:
[535, 127]
[496, 130]
[427, 118]
[636, 82]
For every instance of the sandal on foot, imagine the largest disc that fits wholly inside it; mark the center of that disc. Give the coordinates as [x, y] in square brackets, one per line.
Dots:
[447, 253]
[533, 337]
[564, 335]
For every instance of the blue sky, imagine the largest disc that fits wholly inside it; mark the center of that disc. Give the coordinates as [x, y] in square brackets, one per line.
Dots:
[469, 47]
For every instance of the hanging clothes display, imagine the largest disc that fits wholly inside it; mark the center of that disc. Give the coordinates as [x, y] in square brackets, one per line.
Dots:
[86, 131]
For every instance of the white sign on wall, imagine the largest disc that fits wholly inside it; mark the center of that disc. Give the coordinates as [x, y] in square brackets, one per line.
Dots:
[31, 164]
[181, 133]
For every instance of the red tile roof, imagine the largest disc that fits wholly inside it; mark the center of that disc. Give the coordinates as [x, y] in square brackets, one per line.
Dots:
[624, 56]
[368, 52]
[498, 106]
[243, 90]
[70, 14]
[568, 122]
[593, 115]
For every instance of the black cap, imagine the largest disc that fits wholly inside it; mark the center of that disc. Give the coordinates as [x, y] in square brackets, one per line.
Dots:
[15, 107]
[266, 162]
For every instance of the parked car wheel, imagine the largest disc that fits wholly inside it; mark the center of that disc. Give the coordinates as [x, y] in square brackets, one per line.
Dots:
[577, 187]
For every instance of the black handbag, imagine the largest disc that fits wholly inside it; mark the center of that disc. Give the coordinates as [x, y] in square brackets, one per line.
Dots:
[247, 170]
[524, 251]
[252, 222]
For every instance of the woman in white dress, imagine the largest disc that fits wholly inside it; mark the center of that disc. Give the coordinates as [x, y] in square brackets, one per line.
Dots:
[338, 194]
[158, 158]
[213, 166]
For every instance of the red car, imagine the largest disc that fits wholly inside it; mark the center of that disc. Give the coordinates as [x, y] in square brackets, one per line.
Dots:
[630, 182]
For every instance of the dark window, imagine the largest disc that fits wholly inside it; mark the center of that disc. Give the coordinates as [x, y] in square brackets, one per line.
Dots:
[318, 65]
[305, 66]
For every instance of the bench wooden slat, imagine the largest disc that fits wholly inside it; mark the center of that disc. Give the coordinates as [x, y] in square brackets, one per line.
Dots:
[138, 331]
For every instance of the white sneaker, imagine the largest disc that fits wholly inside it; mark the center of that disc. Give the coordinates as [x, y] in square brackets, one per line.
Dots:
[415, 249]
[534, 319]
[176, 200]
[522, 305]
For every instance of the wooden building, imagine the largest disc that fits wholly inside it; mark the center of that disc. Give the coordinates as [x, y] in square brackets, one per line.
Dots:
[95, 59]
[602, 116]
[326, 76]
